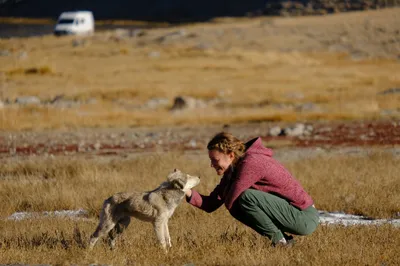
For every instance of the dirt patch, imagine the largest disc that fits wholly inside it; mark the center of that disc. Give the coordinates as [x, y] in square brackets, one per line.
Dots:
[353, 134]
[104, 142]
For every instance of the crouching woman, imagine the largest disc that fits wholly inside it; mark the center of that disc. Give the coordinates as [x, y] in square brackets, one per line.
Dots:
[257, 190]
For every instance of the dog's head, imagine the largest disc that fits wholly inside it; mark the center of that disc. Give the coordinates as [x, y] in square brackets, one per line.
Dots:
[182, 181]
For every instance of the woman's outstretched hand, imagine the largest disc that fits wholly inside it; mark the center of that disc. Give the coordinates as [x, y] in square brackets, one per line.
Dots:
[188, 193]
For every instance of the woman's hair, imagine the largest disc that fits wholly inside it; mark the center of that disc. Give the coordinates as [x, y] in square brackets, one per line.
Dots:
[226, 143]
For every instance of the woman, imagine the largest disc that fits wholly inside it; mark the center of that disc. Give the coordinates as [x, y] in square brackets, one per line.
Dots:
[257, 190]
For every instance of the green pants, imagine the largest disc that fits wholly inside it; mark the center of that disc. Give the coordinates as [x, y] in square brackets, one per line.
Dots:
[272, 216]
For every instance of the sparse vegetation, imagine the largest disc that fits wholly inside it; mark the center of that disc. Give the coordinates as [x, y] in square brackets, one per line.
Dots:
[28, 71]
[241, 69]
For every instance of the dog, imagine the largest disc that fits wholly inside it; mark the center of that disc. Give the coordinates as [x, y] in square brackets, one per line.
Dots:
[155, 206]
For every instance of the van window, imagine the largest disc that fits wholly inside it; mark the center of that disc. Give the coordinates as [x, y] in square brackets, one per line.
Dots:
[65, 21]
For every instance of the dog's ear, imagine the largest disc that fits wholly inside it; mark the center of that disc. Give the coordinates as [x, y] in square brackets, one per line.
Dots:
[178, 183]
[173, 175]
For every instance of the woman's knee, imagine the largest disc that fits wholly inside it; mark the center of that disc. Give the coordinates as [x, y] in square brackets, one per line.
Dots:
[307, 229]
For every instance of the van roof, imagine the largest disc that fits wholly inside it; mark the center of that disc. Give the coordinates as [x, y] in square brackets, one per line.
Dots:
[75, 13]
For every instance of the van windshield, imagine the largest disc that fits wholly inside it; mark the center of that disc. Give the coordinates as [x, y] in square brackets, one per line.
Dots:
[65, 21]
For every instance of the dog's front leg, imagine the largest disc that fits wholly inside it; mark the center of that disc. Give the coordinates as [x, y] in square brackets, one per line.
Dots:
[166, 234]
[159, 229]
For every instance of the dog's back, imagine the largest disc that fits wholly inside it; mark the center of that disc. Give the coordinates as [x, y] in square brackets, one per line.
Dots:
[134, 204]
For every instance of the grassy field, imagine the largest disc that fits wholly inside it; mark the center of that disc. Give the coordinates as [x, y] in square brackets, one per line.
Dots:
[263, 69]
[325, 68]
[366, 185]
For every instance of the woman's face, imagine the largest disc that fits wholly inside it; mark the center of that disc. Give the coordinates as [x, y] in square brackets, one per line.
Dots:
[220, 161]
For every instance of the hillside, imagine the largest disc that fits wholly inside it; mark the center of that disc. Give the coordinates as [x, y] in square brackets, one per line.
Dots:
[341, 66]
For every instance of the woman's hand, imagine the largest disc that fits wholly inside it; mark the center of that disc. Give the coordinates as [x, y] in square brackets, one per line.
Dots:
[188, 193]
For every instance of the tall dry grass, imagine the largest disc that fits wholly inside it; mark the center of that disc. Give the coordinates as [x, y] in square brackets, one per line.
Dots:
[366, 185]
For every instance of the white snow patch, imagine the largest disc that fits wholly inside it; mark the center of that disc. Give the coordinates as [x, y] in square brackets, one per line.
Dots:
[329, 218]
[73, 214]
[325, 218]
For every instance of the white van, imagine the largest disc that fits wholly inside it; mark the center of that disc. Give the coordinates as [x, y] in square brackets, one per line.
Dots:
[75, 22]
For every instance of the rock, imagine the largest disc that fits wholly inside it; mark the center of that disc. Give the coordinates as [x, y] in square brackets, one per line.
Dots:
[203, 46]
[138, 33]
[154, 54]
[172, 36]
[78, 42]
[156, 102]
[61, 102]
[358, 55]
[308, 130]
[122, 33]
[5, 53]
[91, 101]
[275, 131]
[295, 95]
[192, 144]
[57, 98]
[27, 100]
[186, 102]
[179, 103]
[305, 107]
[81, 146]
[296, 131]
[390, 91]
[341, 48]
[23, 55]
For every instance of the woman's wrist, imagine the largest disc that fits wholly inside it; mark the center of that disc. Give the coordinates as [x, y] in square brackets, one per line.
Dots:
[188, 194]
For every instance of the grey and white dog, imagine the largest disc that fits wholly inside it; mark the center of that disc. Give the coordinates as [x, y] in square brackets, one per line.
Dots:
[155, 206]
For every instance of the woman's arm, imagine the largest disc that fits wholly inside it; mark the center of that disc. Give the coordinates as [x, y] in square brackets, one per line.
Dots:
[206, 203]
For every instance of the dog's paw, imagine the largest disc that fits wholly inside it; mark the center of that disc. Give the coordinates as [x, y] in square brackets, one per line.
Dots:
[92, 243]
[169, 243]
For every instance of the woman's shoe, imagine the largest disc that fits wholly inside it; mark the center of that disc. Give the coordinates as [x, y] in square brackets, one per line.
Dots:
[287, 242]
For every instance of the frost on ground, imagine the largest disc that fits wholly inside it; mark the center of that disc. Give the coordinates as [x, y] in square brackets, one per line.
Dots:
[329, 218]
[73, 214]
[326, 218]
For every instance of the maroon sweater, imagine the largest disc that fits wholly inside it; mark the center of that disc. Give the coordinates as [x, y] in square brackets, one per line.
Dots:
[257, 170]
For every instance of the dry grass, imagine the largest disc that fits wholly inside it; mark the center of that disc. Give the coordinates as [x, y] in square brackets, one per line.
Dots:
[361, 185]
[250, 67]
